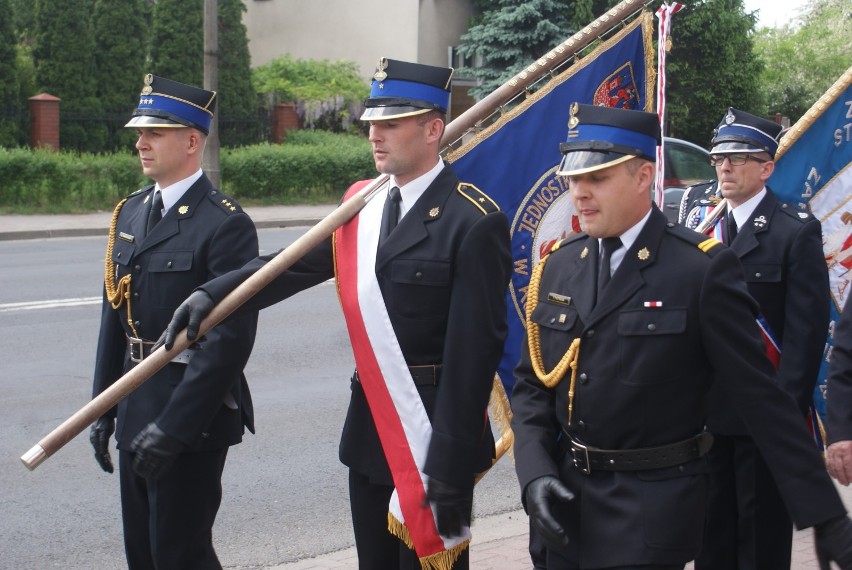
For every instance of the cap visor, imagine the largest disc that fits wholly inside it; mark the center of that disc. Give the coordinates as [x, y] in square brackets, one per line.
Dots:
[735, 146]
[385, 113]
[583, 161]
[149, 121]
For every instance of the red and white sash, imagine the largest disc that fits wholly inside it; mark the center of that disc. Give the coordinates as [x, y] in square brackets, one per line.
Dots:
[401, 421]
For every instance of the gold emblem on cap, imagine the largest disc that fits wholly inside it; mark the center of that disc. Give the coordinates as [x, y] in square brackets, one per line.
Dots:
[183, 209]
[433, 213]
[644, 254]
[584, 253]
[573, 121]
[149, 79]
[380, 70]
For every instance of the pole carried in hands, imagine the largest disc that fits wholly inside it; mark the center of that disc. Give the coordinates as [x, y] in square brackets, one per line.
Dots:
[468, 120]
[122, 387]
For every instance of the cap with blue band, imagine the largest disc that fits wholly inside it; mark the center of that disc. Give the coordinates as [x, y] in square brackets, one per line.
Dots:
[743, 132]
[401, 89]
[170, 104]
[600, 137]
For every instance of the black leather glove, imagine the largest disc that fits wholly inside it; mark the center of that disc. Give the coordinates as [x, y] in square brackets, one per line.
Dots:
[188, 316]
[540, 493]
[155, 451]
[833, 540]
[452, 506]
[100, 435]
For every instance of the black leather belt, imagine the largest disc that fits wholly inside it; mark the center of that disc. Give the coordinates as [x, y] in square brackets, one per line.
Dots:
[426, 375]
[139, 349]
[588, 459]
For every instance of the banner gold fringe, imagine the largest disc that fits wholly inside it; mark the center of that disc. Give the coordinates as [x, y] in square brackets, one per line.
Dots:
[441, 561]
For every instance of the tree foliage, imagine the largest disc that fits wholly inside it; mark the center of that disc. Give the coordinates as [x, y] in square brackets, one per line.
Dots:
[10, 96]
[805, 58]
[65, 68]
[327, 93]
[177, 40]
[508, 35]
[119, 63]
[712, 66]
[237, 99]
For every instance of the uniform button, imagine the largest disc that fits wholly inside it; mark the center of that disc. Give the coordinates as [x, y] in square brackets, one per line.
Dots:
[137, 324]
[552, 320]
[584, 378]
[419, 274]
[118, 254]
[680, 468]
[135, 295]
[137, 268]
[581, 425]
[205, 435]
[652, 327]
[169, 265]
[590, 333]
[758, 275]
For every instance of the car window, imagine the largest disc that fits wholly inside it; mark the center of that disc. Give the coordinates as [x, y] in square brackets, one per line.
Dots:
[686, 165]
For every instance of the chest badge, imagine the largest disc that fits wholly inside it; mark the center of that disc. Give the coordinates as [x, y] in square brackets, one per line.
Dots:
[585, 253]
[183, 210]
[433, 213]
[643, 254]
[759, 221]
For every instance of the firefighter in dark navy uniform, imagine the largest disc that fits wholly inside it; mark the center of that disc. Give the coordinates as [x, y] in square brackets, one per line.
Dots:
[442, 272]
[628, 326]
[173, 431]
[780, 248]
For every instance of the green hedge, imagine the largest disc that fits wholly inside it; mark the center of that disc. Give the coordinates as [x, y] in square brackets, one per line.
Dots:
[311, 167]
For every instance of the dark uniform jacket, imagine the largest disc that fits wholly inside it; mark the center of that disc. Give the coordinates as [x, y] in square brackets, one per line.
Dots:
[443, 274]
[205, 403]
[839, 382]
[780, 249]
[675, 319]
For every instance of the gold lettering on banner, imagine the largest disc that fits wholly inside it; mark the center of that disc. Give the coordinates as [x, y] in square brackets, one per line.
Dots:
[522, 266]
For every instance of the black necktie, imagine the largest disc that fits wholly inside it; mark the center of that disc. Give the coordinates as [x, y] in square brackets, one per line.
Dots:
[730, 228]
[156, 213]
[608, 245]
[390, 214]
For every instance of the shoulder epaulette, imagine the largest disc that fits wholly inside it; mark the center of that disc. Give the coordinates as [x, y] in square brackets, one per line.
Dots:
[229, 205]
[141, 190]
[566, 241]
[707, 244]
[478, 198]
[802, 213]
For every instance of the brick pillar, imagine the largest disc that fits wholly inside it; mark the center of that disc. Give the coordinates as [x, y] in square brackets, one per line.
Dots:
[284, 118]
[44, 121]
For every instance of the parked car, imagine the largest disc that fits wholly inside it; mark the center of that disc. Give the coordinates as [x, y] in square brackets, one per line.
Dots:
[686, 164]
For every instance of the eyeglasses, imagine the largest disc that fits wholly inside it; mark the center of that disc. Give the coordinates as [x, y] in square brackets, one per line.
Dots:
[736, 159]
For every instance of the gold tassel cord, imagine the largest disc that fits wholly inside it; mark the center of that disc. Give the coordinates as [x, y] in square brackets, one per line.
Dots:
[443, 560]
[569, 359]
[116, 293]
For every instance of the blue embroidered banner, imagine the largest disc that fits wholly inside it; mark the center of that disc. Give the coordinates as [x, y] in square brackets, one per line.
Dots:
[814, 166]
[514, 160]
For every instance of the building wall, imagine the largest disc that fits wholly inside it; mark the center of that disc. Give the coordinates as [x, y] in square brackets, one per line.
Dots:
[358, 30]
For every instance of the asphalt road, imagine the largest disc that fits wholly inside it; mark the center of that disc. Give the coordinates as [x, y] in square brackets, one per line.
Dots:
[285, 494]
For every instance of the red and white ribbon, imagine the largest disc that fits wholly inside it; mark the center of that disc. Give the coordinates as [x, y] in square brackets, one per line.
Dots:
[401, 421]
[664, 14]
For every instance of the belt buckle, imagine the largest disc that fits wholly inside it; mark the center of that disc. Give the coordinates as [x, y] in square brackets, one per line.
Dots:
[136, 349]
[581, 457]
